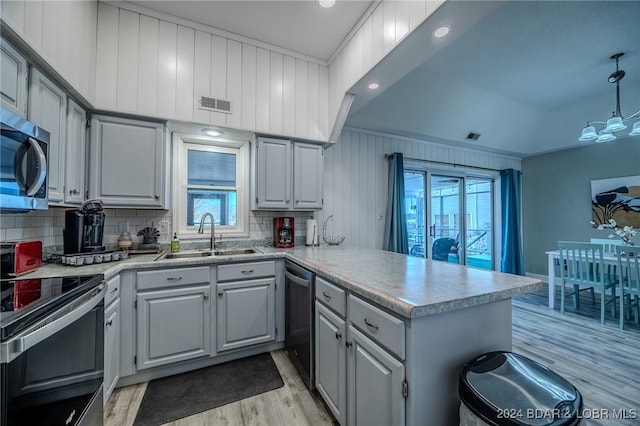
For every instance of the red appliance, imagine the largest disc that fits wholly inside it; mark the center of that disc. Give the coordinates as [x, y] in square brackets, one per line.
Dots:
[18, 258]
[283, 232]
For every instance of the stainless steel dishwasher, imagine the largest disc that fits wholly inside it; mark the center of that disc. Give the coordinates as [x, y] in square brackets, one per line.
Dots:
[299, 320]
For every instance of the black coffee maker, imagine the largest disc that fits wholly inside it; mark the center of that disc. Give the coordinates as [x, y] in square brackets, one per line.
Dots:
[84, 228]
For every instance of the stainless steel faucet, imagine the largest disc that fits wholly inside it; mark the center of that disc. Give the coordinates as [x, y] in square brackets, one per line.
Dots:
[213, 229]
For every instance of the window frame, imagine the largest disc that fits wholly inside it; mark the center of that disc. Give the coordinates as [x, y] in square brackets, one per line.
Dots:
[181, 144]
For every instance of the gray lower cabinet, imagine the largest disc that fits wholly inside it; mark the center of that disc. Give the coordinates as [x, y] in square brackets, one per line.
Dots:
[245, 313]
[331, 360]
[173, 325]
[111, 337]
[375, 383]
[359, 351]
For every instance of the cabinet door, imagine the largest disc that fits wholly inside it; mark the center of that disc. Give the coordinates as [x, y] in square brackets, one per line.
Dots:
[111, 348]
[173, 325]
[246, 312]
[374, 384]
[273, 174]
[307, 176]
[127, 159]
[48, 109]
[13, 76]
[76, 158]
[331, 361]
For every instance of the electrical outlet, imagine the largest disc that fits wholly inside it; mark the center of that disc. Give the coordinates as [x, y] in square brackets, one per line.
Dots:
[163, 227]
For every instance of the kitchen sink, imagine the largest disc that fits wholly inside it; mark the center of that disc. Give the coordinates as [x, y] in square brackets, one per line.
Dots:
[207, 253]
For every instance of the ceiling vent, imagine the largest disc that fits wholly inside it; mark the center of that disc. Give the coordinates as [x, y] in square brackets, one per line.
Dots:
[213, 104]
[473, 136]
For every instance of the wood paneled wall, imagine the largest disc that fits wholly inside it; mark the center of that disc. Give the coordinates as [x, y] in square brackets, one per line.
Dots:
[63, 33]
[156, 67]
[356, 176]
[378, 34]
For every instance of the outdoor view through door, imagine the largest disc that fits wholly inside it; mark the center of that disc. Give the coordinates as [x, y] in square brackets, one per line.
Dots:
[435, 225]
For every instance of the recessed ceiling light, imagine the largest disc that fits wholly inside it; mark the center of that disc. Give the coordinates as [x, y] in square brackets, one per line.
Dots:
[373, 86]
[212, 132]
[441, 31]
[326, 3]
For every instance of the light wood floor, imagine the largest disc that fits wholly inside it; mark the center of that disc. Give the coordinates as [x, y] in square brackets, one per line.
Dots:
[603, 362]
[292, 404]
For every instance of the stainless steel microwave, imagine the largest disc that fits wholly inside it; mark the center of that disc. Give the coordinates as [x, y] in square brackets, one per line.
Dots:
[23, 164]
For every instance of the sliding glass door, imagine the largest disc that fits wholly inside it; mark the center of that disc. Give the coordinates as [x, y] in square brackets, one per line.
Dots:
[455, 223]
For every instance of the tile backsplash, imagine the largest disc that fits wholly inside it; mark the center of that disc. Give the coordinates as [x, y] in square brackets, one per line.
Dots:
[47, 225]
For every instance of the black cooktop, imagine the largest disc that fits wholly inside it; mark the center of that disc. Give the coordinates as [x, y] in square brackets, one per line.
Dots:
[24, 301]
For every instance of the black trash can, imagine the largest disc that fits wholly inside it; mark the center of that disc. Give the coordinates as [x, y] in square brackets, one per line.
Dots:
[504, 388]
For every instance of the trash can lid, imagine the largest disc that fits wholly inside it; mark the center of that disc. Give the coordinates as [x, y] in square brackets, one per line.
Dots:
[504, 388]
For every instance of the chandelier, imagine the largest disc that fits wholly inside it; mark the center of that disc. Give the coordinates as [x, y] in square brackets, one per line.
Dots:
[616, 122]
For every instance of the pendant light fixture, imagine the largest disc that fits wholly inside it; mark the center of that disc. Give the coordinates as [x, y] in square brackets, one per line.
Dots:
[616, 122]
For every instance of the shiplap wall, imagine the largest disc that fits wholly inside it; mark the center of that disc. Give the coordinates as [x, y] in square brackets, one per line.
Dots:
[152, 66]
[378, 34]
[63, 33]
[356, 175]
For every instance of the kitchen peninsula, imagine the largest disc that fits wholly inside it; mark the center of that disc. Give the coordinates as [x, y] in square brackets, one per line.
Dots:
[426, 318]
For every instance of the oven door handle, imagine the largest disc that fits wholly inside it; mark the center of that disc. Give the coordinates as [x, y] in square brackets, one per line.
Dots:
[50, 326]
[296, 279]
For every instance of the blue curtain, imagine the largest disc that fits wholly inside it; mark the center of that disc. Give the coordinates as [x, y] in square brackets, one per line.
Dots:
[511, 194]
[395, 226]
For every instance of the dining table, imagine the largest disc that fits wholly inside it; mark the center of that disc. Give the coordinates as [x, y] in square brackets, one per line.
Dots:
[553, 257]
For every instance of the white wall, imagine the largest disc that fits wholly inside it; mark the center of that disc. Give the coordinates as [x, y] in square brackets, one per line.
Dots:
[157, 65]
[63, 33]
[356, 175]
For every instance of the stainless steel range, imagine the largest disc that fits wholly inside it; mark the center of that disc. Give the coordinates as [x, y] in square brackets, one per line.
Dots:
[51, 352]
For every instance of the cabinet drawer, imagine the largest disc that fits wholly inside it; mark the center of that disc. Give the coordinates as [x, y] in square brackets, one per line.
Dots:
[172, 277]
[113, 290]
[332, 296]
[245, 271]
[380, 326]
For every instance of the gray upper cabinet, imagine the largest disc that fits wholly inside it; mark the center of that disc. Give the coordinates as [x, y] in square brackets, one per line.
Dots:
[307, 176]
[76, 158]
[13, 75]
[273, 173]
[128, 162]
[48, 109]
[246, 313]
[287, 175]
[173, 325]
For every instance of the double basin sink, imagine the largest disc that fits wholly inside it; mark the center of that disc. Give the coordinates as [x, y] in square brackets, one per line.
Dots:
[207, 253]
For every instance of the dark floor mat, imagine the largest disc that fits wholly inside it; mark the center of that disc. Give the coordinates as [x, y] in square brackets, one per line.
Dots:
[185, 394]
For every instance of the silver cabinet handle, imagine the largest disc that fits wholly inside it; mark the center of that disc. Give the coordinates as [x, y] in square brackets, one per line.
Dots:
[297, 201]
[247, 271]
[326, 295]
[206, 296]
[370, 324]
[114, 290]
[157, 197]
[288, 201]
[220, 294]
[73, 191]
[174, 278]
[348, 344]
[109, 323]
[338, 335]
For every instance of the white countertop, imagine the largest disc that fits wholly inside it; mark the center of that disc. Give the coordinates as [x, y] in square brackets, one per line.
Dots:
[409, 286]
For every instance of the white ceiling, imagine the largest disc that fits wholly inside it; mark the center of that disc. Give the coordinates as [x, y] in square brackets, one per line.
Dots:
[527, 75]
[302, 26]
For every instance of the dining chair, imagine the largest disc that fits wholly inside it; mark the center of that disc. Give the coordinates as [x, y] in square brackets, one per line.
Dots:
[629, 278]
[583, 267]
[609, 244]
